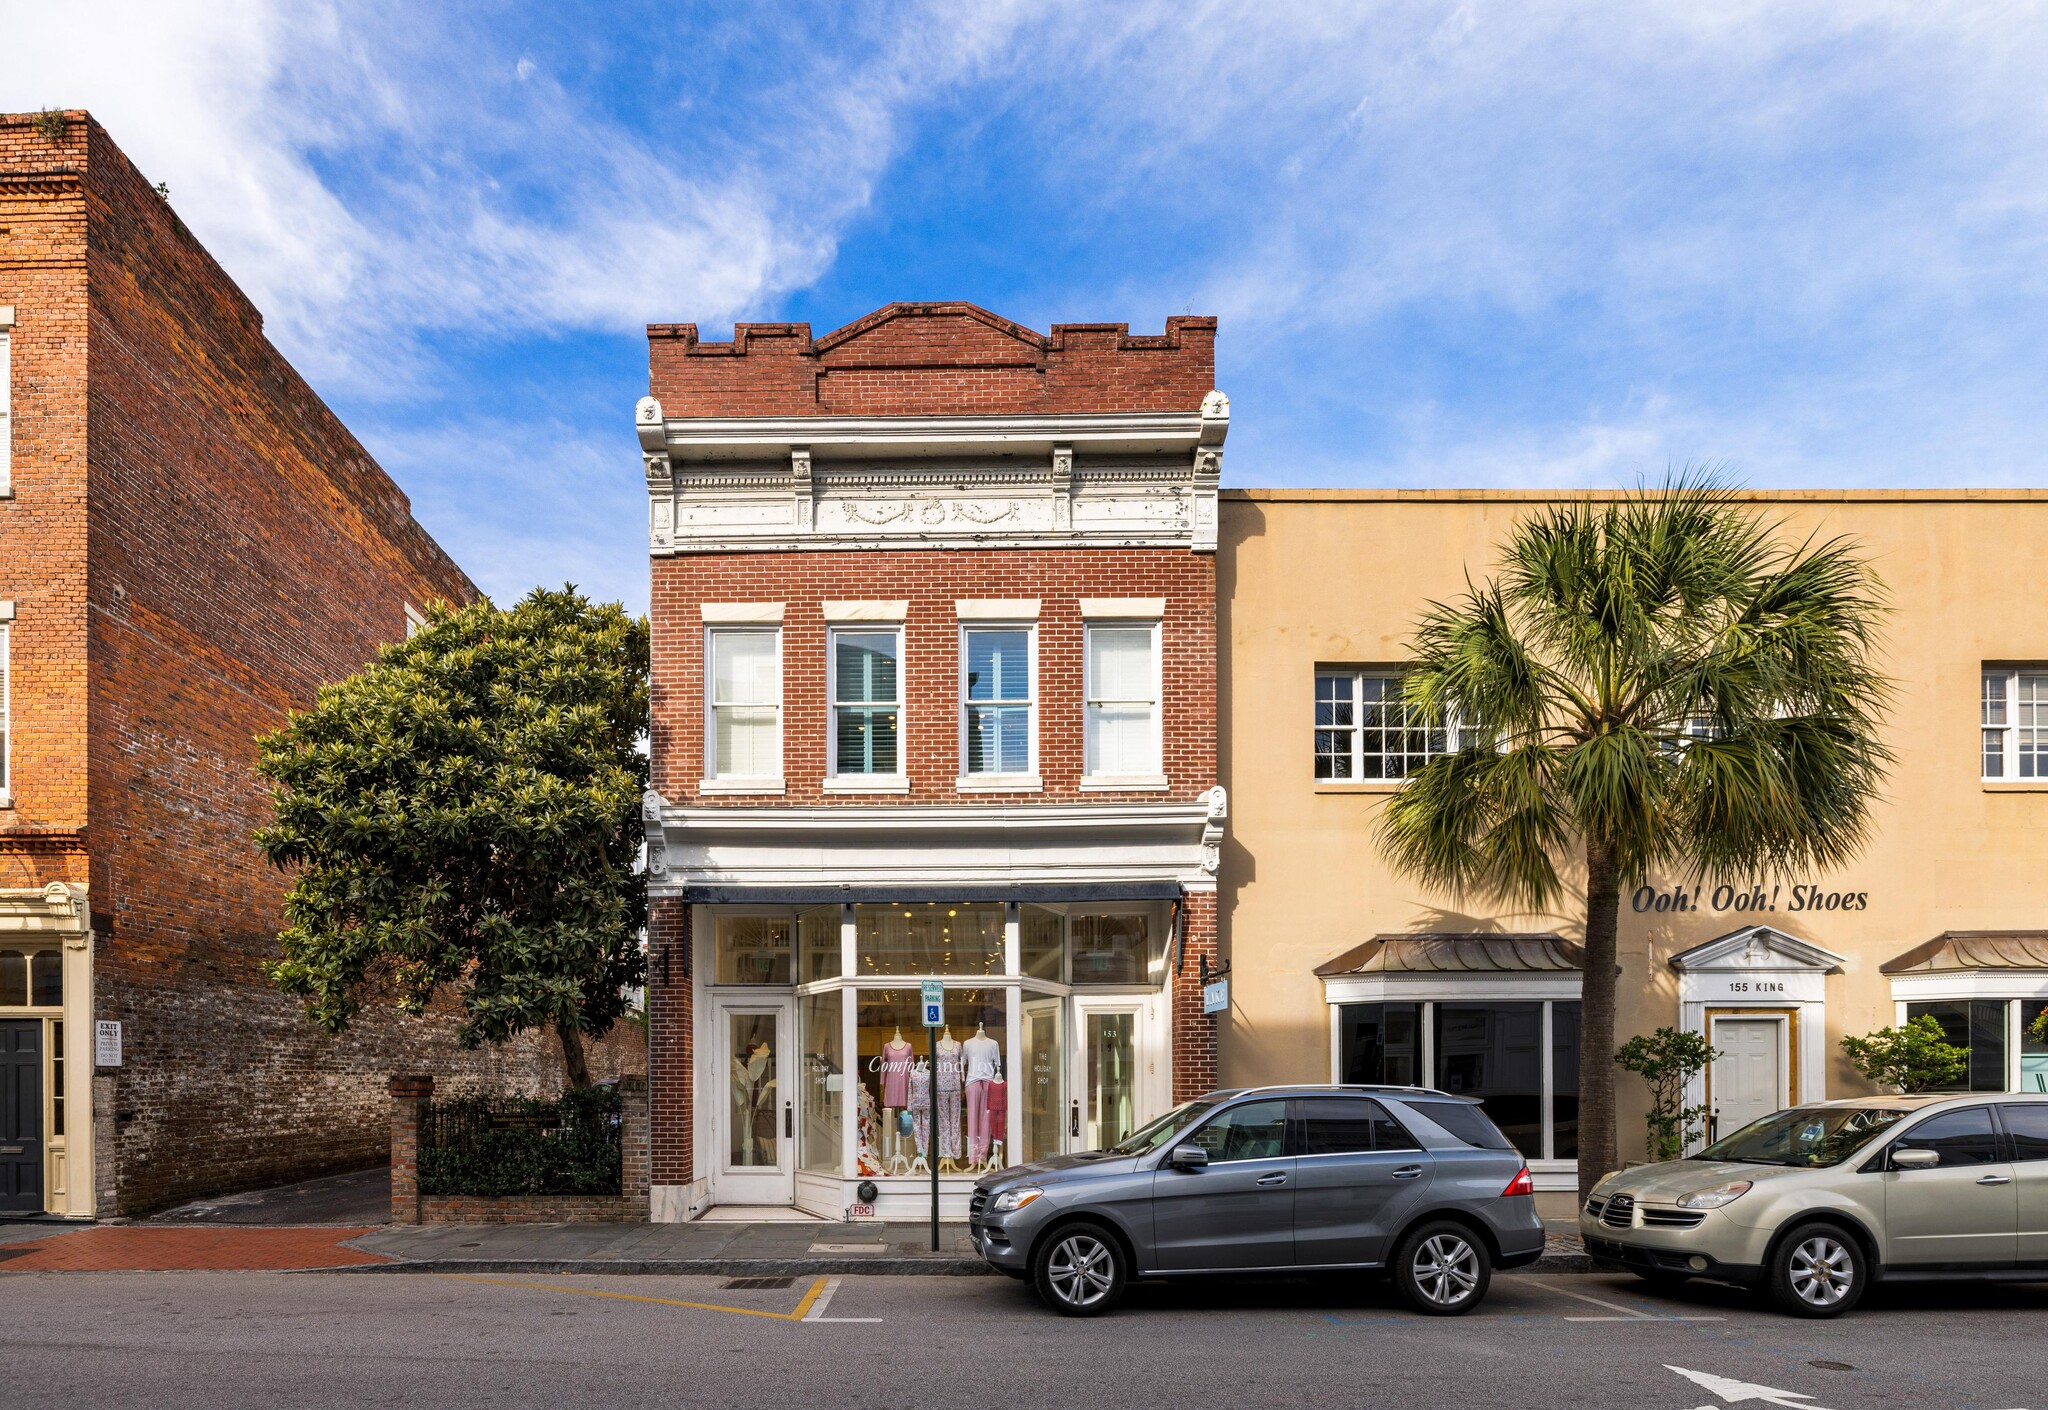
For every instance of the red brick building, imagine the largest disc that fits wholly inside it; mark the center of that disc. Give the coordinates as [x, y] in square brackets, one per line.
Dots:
[190, 544]
[934, 623]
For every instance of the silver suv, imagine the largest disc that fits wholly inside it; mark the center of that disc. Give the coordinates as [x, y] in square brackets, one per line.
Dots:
[1815, 1203]
[1415, 1183]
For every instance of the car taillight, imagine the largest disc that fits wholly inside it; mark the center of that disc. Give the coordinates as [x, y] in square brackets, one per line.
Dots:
[1520, 1185]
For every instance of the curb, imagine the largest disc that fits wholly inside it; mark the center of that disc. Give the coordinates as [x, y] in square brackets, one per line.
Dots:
[717, 1267]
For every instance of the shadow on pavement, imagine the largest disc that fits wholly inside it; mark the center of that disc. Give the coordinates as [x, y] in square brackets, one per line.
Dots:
[356, 1198]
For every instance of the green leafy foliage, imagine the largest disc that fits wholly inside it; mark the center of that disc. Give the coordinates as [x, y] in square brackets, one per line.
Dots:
[1665, 680]
[465, 815]
[1668, 1060]
[483, 1145]
[1915, 1058]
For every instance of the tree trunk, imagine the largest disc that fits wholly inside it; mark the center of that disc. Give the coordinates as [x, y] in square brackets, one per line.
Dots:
[572, 1055]
[1596, 1020]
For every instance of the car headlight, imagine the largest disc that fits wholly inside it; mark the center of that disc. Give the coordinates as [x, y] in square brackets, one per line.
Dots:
[1716, 1197]
[1010, 1201]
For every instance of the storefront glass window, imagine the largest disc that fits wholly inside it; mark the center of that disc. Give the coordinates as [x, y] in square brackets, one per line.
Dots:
[817, 943]
[2033, 1051]
[1976, 1024]
[1041, 941]
[753, 949]
[1494, 1052]
[824, 1079]
[1564, 1080]
[1111, 949]
[929, 938]
[1042, 1086]
[1380, 1045]
[913, 1112]
[13, 978]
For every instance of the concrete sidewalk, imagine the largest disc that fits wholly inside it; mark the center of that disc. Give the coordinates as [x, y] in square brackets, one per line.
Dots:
[729, 1250]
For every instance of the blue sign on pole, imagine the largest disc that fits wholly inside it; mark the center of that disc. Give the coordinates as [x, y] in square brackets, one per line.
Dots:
[934, 1003]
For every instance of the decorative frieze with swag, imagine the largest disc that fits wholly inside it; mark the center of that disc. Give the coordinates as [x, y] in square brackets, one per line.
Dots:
[1663, 681]
[464, 815]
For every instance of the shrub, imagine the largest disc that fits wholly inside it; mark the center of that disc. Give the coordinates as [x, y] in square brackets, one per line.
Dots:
[1668, 1060]
[483, 1145]
[1915, 1058]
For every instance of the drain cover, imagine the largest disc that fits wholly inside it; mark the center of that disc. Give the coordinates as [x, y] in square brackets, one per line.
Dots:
[755, 1284]
[1831, 1365]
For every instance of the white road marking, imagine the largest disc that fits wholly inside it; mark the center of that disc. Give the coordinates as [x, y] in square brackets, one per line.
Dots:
[1734, 1392]
[1628, 1314]
[817, 1312]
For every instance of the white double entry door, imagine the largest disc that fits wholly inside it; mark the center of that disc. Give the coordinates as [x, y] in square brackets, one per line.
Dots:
[754, 1087]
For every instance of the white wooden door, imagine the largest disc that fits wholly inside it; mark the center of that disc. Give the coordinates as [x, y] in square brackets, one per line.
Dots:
[754, 1080]
[1749, 1077]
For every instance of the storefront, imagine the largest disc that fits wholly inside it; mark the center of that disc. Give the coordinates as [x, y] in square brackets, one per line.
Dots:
[45, 1052]
[823, 1086]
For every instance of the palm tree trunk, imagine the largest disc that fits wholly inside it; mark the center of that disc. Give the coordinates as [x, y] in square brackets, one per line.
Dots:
[1596, 1019]
[572, 1055]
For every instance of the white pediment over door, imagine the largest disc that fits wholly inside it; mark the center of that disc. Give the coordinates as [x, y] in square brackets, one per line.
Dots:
[1757, 964]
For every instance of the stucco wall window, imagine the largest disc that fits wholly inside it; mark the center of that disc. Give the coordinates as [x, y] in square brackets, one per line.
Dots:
[1364, 730]
[2004, 1054]
[746, 704]
[2015, 723]
[1519, 1058]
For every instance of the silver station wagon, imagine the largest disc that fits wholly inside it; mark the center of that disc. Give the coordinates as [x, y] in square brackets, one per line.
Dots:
[1816, 1203]
[1414, 1184]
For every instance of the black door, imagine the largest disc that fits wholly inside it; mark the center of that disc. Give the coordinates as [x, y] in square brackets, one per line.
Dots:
[21, 1116]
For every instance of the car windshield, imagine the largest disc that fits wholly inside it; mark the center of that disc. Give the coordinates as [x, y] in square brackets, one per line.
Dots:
[1158, 1133]
[1810, 1136]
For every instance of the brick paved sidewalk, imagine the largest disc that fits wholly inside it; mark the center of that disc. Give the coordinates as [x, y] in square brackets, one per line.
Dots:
[120, 1248]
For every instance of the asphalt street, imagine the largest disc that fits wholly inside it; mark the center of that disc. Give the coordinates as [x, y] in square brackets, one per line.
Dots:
[1586, 1342]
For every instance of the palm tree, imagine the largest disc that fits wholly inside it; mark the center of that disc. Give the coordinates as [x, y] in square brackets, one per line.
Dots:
[1662, 682]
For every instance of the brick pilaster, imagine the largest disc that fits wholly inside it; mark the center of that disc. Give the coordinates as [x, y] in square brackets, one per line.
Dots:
[1194, 1032]
[670, 1043]
[408, 1096]
[633, 1150]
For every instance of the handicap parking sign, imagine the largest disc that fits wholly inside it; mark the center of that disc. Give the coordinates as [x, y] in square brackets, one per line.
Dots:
[934, 1003]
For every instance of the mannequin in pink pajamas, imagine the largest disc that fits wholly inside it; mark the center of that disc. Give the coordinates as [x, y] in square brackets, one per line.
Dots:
[982, 1058]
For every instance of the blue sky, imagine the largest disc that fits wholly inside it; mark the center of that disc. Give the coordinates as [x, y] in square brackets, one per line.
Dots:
[1450, 244]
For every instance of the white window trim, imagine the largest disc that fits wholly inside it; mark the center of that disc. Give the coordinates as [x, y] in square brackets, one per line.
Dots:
[1029, 781]
[2009, 754]
[6, 401]
[1089, 775]
[1967, 985]
[835, 781]
[714, 782]
[1356, 780]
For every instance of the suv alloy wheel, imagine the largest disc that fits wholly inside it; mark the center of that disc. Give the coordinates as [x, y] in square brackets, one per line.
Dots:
[1817, 1272]
[1442, 1269]
[1080, 1270]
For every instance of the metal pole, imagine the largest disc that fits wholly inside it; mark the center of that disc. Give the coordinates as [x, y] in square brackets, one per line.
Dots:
[931, 1036]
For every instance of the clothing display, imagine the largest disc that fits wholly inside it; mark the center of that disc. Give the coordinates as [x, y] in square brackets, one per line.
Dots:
[948, 1084]
[896, 1064]
[983, 1056]
[920, 1108]
[977, 1122]
[998, 1108]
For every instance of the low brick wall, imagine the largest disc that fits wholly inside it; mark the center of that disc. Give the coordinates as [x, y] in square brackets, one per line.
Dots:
[409, 1205]
[531, 1209]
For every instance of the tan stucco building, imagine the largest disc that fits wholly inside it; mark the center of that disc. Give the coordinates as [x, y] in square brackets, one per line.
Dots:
[1342, 970]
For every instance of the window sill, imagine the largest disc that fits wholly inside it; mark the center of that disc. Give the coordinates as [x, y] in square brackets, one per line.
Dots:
[1369, 785]
[2015, 785]
[1124, 783]
[713, 786]
[1000, 783]
[867, 783]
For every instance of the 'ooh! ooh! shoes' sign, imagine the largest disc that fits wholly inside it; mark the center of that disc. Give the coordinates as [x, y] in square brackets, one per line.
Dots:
[1746, 899]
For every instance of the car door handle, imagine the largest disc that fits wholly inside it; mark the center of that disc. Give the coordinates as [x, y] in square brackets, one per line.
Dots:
[1276, 1178]
[1996, 1180]
[1408, 1172]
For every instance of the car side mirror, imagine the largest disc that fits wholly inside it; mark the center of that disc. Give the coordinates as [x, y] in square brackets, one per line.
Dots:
[1913, 1158]
[1188, 1158]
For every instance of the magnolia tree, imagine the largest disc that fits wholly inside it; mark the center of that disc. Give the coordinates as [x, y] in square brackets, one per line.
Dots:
[464, 816]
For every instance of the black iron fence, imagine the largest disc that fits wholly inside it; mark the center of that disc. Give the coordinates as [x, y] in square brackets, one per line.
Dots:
[489, 1145]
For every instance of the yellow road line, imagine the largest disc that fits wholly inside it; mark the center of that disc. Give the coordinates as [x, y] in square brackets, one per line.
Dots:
[796, 1316]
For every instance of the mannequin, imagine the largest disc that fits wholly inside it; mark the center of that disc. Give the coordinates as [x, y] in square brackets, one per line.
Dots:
[864, 1160]
[982, 1058]
[998, 1120]
[946, 1081]
[920, 1112]
[895, 1071]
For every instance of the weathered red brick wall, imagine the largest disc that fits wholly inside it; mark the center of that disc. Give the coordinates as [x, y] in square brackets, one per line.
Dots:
[931, 359]
[235, 547]
[671, 1043]
[42, 526]
[1194, 1032]
[931, 583]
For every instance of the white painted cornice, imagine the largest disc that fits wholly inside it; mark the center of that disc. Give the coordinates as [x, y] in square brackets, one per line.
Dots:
[702, 438]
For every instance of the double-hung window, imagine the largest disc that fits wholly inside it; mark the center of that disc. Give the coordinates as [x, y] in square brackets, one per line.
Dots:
[1122, 710]
[867, 703]
[745, 703]
[997, 701]
[1366, 731]
[6, 686]
[2015, 722]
